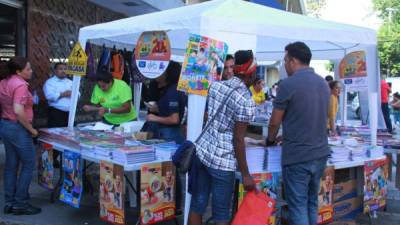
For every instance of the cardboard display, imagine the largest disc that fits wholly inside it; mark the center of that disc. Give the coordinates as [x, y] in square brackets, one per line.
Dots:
[376, 176]
[71, 190]
[152, 53]
[325, 196]
[353, 71]
[45, 166]
[111, 194]
[157, 192]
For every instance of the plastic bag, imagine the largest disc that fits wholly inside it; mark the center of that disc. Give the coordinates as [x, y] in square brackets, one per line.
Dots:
[255, 209]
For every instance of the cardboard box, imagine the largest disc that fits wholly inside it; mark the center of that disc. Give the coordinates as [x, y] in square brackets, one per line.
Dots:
[348, 209]
[345, 190]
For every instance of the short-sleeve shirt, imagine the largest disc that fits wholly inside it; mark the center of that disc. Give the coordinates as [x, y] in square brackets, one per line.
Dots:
[14, 90]
[215, 148]
[173, 101]
[385, 89]
[115, 97]
[304, 97]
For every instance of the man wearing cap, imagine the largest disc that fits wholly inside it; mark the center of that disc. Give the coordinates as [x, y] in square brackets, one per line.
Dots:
[301, 105]
[221, 149]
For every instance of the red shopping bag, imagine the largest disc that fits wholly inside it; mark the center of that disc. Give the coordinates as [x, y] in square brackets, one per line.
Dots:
[255, 209]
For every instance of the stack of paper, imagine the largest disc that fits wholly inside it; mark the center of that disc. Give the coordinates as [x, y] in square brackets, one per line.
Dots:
[87, 150]
[273, 158]
[375, 152]
[339, 154]
[165, 151]
[357, 153]
[129, 155]
[255, 158]
[61, 135]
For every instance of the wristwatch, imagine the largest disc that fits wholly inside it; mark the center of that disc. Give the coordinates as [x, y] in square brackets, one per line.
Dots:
[109, 110]
[268, 142]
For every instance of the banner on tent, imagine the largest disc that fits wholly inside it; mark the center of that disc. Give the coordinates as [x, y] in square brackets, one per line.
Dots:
[157, 192]
[71, 190]
[353, 71]
[112, 193]
[45, 165]
[152, 53]
[203, 64]
[325, 196]
[265, 182]
[77, 61]
[376, 176]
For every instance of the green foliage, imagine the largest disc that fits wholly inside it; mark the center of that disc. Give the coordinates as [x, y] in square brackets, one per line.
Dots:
[329, 66]
[314, 7]
[388, 36]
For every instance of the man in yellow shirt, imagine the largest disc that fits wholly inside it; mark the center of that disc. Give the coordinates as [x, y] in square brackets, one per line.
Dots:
[333, 106]
[112, 100]
[257, 91]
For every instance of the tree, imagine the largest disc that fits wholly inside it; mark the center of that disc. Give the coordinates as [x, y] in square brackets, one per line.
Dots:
[388, 36]
[314, 7]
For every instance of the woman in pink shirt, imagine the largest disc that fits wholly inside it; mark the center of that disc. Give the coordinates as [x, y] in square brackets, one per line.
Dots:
[16, 131]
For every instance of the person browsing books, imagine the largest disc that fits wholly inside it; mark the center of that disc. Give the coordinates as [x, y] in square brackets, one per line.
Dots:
[111, 99]
[301, 105]
[221, 149]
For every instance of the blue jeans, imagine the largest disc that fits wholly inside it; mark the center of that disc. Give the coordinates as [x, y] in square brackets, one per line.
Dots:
[220, 184]
[171, 134]
[301, 182]
[19, 150]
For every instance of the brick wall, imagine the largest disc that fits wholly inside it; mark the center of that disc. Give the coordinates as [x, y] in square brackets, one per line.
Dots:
[51, 25]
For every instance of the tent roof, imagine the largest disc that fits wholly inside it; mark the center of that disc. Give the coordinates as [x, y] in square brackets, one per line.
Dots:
[227, 19]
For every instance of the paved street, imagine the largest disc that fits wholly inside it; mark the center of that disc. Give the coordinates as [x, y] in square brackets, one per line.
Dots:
[60, 214]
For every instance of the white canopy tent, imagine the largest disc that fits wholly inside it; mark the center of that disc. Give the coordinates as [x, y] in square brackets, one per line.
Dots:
[242, 25]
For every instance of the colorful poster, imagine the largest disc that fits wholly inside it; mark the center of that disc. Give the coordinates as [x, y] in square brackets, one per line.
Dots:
[353, 71]
[376, 176]
[325, 196]
[157, 192]
[45, 166]
[71, 190]
[203, 64]
[265, 182]
[112, 191]
[152, 53]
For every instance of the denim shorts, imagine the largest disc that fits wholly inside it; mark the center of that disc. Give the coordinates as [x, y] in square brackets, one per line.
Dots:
[220, 184]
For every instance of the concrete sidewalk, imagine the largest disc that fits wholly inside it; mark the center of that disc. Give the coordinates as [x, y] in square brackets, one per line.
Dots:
[59, 213]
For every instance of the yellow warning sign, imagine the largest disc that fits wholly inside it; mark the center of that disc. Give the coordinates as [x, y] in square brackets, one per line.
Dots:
[77, 61]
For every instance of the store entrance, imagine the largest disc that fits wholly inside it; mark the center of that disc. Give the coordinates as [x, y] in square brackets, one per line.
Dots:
[12, 29]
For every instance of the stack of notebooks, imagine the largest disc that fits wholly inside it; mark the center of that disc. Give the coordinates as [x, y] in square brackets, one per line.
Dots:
[165, 150]
[358, 153]
[273, 159]
[339, 154]
[128, 155]
[61, 135]
[255, 156]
